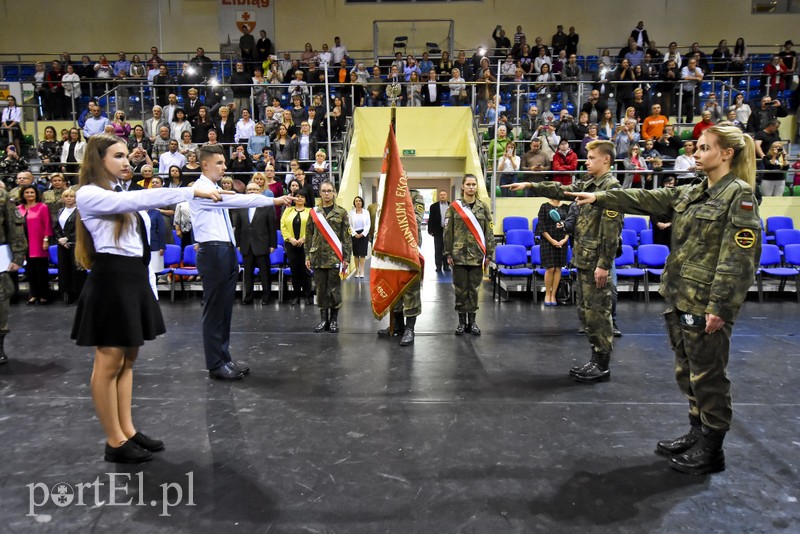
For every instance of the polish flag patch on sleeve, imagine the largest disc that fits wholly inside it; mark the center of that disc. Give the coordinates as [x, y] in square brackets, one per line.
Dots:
[746, 205]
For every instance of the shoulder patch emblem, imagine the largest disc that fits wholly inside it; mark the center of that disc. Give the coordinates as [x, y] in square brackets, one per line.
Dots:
[611, 214]
[745, 238]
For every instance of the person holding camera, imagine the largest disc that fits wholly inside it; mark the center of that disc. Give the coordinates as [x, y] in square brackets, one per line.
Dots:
[773, 180]
[508, 166]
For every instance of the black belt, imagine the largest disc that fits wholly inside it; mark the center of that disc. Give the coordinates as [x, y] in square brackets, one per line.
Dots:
[216, 244]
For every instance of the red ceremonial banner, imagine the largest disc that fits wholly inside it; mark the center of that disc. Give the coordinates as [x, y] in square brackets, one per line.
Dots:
[395, 254]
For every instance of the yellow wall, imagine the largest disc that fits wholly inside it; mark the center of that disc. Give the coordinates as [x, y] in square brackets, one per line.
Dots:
[444, 132]
[50, 26]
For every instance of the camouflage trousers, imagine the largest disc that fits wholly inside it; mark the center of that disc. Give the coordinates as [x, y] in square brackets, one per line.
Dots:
[700, 367]
[411, 303]
[594, 311]
[466, 280]
[329, 288]
[6, 290]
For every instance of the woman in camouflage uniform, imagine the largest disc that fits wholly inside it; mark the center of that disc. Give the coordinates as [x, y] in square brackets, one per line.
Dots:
[716, 243]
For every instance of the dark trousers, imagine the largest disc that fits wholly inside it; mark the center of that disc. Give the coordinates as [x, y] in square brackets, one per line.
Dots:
[301, 281]
[218, 266]
[438, 249]
[70, 278]
[36, 271]
[251, 261]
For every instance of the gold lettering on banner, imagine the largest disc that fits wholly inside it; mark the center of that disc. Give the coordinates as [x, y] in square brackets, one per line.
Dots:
[402, 187]
[402, 223]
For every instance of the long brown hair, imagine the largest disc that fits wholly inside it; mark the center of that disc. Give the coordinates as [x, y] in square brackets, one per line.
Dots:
[93, 172]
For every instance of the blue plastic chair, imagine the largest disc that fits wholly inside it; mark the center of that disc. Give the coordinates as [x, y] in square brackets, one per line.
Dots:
[188, 268]
[787, 236]
[630, 238]
[525, 238]
[646, 237]
[779, 222]
[635, 223]
[770, 265]
[625, 269]
[652, 258]
[514, 223]
[508, 259]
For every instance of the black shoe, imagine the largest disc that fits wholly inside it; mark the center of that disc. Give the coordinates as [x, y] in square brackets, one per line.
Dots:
[309, 301]
[399, 326]
[3, 356]
[128, 453]
[462, 324]
[705, 456]
[581, 330]
[147, 443]
[247, 301]
[265, 301]
[580, 368]
[438, 269]
[408, 338]
[242, 368]
[472, 326]
[324, 323]
[296, 300]
[670, 447]
[225, 372]
[334, 326]
[596, 371]
[616, 330]
[446, 269]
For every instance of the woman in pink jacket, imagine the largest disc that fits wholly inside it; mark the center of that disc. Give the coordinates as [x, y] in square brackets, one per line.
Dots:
[38, 231]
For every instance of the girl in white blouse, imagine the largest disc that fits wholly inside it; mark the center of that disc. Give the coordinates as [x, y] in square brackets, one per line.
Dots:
[117, 310]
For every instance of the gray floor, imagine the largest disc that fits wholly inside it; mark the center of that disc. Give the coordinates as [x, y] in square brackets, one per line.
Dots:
[348, 433]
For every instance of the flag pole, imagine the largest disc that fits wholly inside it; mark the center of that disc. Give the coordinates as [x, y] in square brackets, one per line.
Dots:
[393, 120]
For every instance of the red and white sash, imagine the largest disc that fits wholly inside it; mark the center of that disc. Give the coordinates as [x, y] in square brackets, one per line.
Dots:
[472, 224]
[330, 236]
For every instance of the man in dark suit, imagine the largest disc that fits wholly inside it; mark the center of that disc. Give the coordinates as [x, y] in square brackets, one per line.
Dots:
[192, 105]
[431, 91]
[127, 183]
[256, 233]
[436, 222]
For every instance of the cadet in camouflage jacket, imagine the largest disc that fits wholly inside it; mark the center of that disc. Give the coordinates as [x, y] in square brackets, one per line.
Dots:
[596, 240]
[13, 234]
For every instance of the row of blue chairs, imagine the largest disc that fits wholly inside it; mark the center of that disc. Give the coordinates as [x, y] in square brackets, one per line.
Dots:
[182, 264]
[517, 261]
[782, 265]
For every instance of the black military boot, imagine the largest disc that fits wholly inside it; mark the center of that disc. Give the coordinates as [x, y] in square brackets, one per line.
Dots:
[324, 324]
[462, 324]
[597, 371]
[3, 357]
[671, 447]
[398, 326]
[334, 327]
[472, 326]
[581, 368]
[408, 334]
[704, 457]
[615, 329]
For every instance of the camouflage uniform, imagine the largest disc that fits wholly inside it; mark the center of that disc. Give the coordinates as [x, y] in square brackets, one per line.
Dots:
[11, 233]
[411, 305]
[323, 259]
[716, 246]
[460, 244]
[52, 199]
[596, 239]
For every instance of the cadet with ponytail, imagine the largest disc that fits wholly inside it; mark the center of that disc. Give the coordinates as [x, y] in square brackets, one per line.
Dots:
[716, 245]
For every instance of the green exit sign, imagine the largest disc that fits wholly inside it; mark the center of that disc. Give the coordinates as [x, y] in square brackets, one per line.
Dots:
[409, 152]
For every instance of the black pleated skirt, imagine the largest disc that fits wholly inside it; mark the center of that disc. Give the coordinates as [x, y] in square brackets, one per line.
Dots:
[117, 307]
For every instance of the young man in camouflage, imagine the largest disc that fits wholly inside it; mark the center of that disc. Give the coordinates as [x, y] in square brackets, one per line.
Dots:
[322, 258]
[716, 244]
[468, 247]
[13, 235]
[597, 235]
[406, 311]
